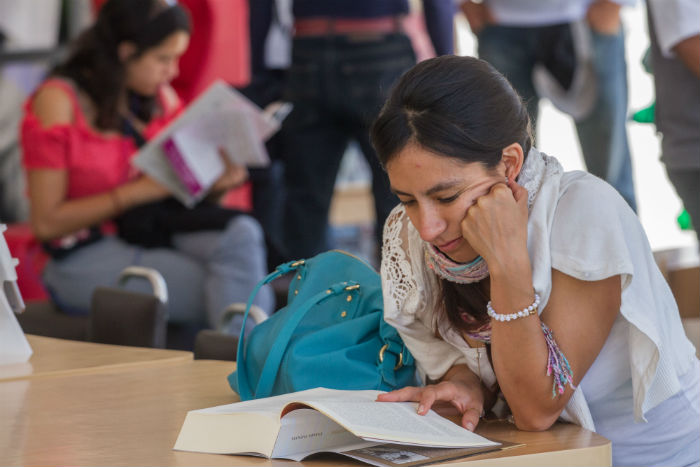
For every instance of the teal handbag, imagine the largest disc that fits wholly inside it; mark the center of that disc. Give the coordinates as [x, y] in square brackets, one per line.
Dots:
[331, 334]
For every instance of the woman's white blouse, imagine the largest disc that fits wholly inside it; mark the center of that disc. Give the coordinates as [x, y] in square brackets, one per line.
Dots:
[579, 225]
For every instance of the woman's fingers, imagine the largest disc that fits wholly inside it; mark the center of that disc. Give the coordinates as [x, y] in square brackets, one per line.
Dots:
[225, 158]
[427, 399]
[470, 418]
[428, 395]
[409, 393]
[232, 176]
[519, 192]
[425, 396]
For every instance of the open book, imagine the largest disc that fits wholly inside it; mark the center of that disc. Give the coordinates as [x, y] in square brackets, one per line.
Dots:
[185, 156]
[294, 426]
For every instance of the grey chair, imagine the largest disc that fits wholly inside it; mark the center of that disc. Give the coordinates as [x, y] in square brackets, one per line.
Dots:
[117, 316]
[43, 318]
[217, 345]
[122, 317]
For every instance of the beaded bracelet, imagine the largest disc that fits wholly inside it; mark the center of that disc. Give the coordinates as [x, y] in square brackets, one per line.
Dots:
[530, 310]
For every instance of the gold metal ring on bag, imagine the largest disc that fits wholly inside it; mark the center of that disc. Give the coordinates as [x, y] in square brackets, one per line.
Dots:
[381, 357]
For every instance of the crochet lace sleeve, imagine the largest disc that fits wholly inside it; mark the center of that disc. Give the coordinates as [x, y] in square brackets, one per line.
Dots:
[401, 297]
[406, 283]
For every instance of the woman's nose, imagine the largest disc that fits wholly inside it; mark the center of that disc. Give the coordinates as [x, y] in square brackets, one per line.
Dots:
[430, 224]
[173, 70]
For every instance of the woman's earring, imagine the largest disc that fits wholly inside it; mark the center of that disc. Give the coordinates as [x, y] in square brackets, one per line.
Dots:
[506, 180]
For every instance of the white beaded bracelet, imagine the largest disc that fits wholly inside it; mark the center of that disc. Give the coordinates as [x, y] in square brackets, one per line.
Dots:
[530, 310]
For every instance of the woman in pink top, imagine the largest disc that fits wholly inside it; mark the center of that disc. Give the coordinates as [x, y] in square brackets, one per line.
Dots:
[81, 129]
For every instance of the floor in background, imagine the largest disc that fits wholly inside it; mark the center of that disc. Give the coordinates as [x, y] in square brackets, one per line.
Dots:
[357, 239]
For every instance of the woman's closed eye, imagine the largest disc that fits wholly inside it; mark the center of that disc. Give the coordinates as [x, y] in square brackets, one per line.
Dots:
[449, 199]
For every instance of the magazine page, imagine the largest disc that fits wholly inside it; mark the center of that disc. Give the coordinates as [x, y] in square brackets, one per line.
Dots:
[185, 156]
[398, 455]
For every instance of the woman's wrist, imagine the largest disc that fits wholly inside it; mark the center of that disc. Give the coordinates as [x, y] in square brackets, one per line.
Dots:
[140, 191]
[116, 201]
[511, 265]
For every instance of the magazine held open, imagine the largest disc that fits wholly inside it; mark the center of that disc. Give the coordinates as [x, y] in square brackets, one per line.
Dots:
[185, 156]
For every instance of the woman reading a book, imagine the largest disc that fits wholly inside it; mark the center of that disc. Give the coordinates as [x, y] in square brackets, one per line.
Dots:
[80, 130]
[507, 276]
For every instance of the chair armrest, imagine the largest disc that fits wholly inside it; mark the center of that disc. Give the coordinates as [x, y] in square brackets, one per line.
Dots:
[155, 278]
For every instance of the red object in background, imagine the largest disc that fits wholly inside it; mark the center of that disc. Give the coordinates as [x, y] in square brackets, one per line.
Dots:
[96, 5]
[32, 259]
[240, 198]
[219, 46]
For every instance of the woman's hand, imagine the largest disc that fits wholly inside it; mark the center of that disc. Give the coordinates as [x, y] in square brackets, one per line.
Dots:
[496, 224]
[233, 176]
[148, 189]
[463, 390]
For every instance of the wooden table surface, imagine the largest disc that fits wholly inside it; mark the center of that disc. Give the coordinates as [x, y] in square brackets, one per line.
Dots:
[60, 356]
[131, 415]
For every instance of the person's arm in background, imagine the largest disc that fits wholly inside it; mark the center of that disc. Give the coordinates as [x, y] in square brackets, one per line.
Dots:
[478, 15]
[439, 20]
[604, 16]
[688, 51]
[678, 30]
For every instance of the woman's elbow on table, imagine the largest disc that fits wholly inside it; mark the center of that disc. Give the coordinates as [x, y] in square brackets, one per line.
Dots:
[535, 420]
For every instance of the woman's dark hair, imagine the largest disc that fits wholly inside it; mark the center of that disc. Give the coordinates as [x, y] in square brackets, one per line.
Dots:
[460, 108]
[94, 64]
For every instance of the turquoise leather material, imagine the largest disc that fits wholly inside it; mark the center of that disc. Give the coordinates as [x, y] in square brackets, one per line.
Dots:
[330, 334]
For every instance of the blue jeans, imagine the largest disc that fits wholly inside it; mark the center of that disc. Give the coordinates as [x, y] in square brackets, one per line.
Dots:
[602, 134]
[204, 272]
[337, 85]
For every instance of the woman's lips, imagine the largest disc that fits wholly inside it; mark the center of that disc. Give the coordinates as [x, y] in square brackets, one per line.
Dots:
[451, 245]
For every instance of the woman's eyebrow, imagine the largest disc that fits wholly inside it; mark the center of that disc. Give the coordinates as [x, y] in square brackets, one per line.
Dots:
[443, 186]
[432, 190]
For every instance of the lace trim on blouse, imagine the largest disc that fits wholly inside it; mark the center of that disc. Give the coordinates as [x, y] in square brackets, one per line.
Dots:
[399, 282]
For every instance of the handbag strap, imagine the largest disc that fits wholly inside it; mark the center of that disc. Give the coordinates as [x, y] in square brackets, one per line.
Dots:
[244, 389]
[274, 358]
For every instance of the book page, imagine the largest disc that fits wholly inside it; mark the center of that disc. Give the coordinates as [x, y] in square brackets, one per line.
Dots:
[307, 431]
[276, 404]
[398, 422]
[267, 405]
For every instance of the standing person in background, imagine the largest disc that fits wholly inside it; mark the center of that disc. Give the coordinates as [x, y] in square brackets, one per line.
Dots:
[79, 133]
[516, 35]
[346, 54]
[675, 52]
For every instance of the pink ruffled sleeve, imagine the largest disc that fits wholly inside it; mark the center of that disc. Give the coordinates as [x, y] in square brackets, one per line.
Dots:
[44, 148]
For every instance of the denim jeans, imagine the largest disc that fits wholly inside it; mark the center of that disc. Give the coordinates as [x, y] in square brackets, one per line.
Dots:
[602, 134]
[204, 272]
[337, 85]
